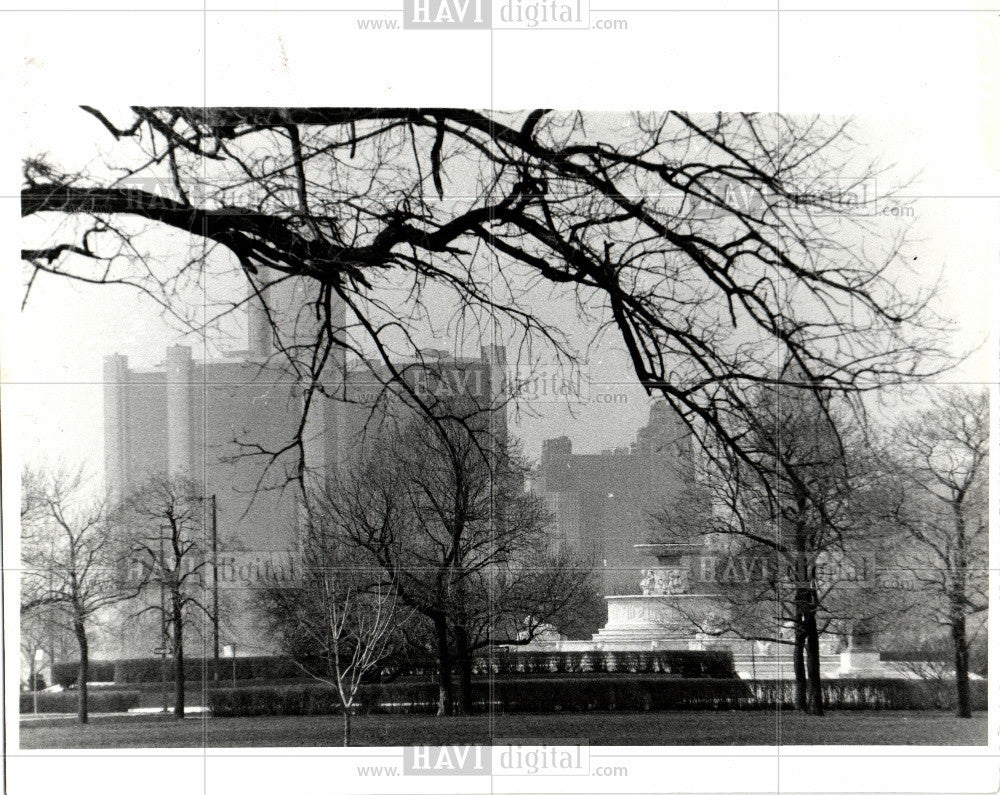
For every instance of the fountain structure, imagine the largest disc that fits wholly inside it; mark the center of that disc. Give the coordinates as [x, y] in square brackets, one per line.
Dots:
[677, 610]
[668, 613]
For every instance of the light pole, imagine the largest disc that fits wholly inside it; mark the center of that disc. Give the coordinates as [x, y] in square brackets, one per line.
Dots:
[48, 615]
[163, 625]
[215, 593]
[215, 584]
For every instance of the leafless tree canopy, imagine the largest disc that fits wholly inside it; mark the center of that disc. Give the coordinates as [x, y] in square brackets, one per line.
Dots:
[940, 460]
[446, 520]
[341, 616]
[708, 245]
[68, 550]
[805, 523]
[163, 530]
[69, 559]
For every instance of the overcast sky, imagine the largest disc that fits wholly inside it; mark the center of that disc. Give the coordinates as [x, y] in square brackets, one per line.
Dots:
[53, 350]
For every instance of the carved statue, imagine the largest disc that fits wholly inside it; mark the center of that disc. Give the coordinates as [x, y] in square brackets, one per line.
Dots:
[715, 622]
[675, 581]
[660, 582]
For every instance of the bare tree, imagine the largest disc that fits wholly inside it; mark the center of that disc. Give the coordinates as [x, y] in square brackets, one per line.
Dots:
[70, 555]
[707, 243]
[168, 549]
[800, 528]
[941, 459]
[341, 615]
[448, 521]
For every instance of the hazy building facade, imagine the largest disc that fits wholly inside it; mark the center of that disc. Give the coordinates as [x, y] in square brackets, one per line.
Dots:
[602, 503]
[210, 421]
[215, 421]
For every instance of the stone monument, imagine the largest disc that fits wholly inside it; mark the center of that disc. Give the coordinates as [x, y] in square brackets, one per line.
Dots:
[675, 611]
[669, 613]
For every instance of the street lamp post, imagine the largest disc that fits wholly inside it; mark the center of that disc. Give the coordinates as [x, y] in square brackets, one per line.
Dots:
[163, 625]
[215, 584]
[215, 593]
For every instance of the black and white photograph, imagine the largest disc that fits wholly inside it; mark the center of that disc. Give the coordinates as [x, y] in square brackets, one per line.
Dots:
[478, 434]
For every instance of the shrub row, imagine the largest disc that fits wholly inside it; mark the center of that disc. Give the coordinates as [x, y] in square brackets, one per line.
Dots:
[247, 701]
[36, 682]
[688, 664]
[627, 694]
[683, 663]
[64, 673]
[66, 701]
[150, 669]
[197, 686]
[871, 694]
[584, 694]
[509, 695]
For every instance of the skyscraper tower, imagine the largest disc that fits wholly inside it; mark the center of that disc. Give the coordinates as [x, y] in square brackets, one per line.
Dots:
[212, 421]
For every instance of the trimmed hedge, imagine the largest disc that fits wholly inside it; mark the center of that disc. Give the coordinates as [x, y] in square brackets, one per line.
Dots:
[715, 664]
[150, 669]
[584, 694]
[198, 686]
[36, 682]
[64, 673]
[624, 693]
[66, 701]
[246, 701]
[506, 695]
[683, 663]
[871, 694]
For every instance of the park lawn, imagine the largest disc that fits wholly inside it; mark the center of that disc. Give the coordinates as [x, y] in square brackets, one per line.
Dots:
[608, 728]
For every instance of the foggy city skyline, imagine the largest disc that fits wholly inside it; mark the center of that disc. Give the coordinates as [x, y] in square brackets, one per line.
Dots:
[368, 387]
[292, 500]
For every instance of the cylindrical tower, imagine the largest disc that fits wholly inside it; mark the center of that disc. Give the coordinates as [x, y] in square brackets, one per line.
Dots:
[179, 453]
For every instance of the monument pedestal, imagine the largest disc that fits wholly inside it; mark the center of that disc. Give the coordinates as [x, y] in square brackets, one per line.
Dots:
[861, 663]
[655, 620]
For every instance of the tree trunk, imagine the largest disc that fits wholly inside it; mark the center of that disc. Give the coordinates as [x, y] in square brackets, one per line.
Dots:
[177, 621]
[464, 672]
[957, 596]
[347, 726]
[83, 670]
[961, 664]
[445, 691]
[799, 665]
[814, 685]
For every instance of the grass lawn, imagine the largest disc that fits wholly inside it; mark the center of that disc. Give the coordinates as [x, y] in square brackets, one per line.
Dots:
[609, 728]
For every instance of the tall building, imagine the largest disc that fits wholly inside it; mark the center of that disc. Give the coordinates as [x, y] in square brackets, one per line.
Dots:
[603, 503]
[213, 421]
[209, 420]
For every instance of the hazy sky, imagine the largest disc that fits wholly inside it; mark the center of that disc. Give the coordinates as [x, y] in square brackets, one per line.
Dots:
[52, 352]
